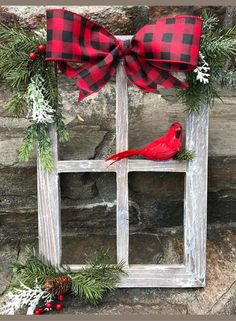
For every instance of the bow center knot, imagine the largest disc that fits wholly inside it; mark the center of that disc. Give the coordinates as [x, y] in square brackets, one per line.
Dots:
[124, 46]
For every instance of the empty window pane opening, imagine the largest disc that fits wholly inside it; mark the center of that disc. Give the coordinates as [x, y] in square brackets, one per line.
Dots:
[156, 217]
[88, 216]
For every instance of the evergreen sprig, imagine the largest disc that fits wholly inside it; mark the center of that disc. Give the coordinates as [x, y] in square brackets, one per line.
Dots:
[15, 67]
[100, 273]
[28, 142]
[89, 284]
[62, 131]
[87, 288]
[17, 71]
[17, 104]
[197, 94]
[44, 147]
[37, 133]
[211, 21]
[33, 268]
[185, 155]
[217, 46]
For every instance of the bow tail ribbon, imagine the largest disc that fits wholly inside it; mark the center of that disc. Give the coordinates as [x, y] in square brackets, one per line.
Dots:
[90, 78]
[150, 75]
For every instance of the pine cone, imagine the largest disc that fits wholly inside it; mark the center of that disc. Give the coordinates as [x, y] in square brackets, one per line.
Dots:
[61, 284]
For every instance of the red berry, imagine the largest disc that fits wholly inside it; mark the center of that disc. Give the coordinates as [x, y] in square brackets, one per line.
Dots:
[58, 306]
[36, 311]
[48, 305]
[60, 297]
[32, 55]
[41, 309]
[41, 48]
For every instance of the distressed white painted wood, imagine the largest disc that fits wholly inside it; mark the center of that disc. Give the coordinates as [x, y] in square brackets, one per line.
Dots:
[49, 216]
[122, 207]
[147, 268]
[155, 276]
[137, 165]
[133, 165]
[195, 202]
[189, 274]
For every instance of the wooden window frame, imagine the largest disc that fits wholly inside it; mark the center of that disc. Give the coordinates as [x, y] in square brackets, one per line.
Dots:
[189, 274]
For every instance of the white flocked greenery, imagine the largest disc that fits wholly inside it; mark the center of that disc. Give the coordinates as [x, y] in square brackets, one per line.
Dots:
[24, 297]
[41, 110]
[202, 70]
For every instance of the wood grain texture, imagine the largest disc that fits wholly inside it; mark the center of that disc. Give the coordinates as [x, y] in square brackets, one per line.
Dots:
[49, 216]
[147, 269]
[133, 165]
[122, 207]
[158, 280]
[138, 165]
[80, 166]
[195, 202]
[150, 275]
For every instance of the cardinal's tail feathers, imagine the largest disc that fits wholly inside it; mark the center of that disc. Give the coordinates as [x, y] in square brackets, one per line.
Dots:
[125, 154]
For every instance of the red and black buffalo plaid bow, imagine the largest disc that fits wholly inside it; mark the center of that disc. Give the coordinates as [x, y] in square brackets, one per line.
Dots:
[170, 44]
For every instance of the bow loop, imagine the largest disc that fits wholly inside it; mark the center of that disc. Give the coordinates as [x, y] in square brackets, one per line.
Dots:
[168, 45]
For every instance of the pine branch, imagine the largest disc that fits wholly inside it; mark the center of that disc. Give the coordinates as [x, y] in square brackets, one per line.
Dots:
[15, 34]
[218, 48]
[50, 76]
[44, 147]
[34, 268]
[62, 131]
[90, 283]
[184, 154]
[193, 97]
[17, 72]
[94, 281]
[56, 100]
[16, 43]
[39, 133]
[197, 94]
[100, 268]
[108, 272]
[217, 44]
[17, 104]
[210, 21]
[28, 142]
[97, 278]
[87, 288]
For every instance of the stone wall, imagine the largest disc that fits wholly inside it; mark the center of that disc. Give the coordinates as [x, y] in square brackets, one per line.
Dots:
[88, 200]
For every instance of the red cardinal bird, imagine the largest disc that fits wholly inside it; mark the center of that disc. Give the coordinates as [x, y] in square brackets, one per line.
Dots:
[163, 148]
